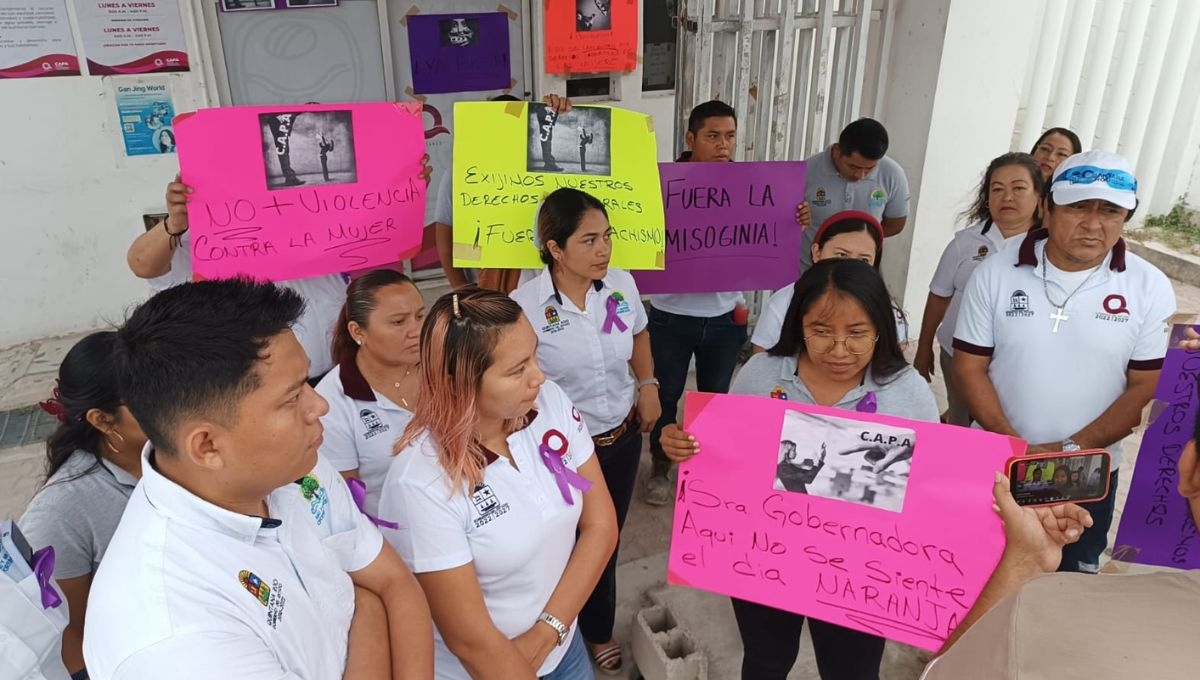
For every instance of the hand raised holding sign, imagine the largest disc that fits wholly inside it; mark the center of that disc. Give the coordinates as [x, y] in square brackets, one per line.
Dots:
[677, 444]
[803, 215]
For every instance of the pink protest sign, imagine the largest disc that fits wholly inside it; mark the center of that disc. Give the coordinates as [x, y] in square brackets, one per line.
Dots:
[872, 522]
[291, 192]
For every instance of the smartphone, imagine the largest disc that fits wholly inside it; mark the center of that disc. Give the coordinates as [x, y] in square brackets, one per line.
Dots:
[1064, 477]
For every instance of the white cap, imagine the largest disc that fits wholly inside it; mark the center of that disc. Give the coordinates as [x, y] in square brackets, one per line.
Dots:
[1092, 175]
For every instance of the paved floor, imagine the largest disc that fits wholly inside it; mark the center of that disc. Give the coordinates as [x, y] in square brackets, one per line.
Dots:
[27, 375]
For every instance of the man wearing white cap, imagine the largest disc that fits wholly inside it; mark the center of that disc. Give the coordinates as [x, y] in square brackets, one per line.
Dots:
[1060, 340]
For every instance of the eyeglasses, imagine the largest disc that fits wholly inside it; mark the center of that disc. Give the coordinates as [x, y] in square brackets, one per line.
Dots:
[1090, 174]
[859, 343]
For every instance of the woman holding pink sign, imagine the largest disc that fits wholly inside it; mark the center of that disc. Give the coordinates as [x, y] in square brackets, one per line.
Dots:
[592, 340]
[838, 348]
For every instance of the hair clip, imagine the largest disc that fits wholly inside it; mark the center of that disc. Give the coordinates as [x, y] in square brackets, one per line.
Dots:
[457, 311]
[54, 405]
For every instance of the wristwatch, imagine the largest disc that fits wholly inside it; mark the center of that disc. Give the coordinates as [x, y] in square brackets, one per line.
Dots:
[1070, 445]
[647, 381]
[552, 621]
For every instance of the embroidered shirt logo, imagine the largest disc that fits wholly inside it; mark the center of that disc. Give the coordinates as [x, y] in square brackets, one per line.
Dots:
[575, 415]
[487, 505]
[554, 322]
[270, 596]
[779, 393]
[374, 424]
[254, 585]
[622, 304]
[981, 253]
[317, 497]
[1115, 309]
[878, 197]
[820, 197]
[1018, 304]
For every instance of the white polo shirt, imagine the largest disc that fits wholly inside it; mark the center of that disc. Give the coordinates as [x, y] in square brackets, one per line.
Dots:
[323, 300]
[360, 427]
[515, 528]
[1050, 384]
[962, 255]
[590, 365]
[191, 590]
[699, 305]
[769, 325]
[883, 193]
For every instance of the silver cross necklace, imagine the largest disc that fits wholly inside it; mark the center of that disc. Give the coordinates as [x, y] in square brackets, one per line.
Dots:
[1060, 313]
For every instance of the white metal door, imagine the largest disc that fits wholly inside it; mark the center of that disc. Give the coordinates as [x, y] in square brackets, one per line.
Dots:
[795, 71]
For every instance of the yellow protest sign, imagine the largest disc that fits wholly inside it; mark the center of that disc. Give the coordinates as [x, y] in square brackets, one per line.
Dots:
[509, 155]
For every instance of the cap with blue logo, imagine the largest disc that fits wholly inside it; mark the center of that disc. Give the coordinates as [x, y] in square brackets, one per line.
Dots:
[1095, 175]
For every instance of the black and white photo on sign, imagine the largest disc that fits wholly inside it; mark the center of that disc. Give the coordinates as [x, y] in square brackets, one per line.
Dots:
[309, 148]
[845, 460]
[243, 5]
[459, 32]
[577, 142]
[593, 15]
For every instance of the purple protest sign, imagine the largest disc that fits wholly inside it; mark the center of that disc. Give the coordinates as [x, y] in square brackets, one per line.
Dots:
[1156, 527]
[730, 226]
[459, 52]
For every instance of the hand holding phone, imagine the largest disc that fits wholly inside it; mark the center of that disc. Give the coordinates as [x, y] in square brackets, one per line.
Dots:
[1061, 477]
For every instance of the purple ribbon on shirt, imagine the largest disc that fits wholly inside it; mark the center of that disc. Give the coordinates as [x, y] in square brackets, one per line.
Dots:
[612, 318]
[867, 404]
[358, 491]
[43, 569]
[563, 476]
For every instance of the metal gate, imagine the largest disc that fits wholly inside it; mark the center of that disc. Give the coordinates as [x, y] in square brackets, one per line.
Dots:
[795, 71]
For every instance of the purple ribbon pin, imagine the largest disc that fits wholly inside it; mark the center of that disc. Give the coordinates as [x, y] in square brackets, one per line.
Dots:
[43, 569]
[563, 476]
[358, 491]
[867, 404]
[612, 318]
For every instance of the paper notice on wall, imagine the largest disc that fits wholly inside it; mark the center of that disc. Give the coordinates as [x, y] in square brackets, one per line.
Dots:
[147, 117]
[591, 36]
[35, 40]
[459, 52]
[121, 38]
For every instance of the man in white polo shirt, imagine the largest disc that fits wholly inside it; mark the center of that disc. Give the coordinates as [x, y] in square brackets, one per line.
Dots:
[855, 174]
[1060, 339]
[241, 554]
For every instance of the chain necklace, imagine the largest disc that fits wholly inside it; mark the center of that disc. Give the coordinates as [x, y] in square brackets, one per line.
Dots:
[403, 401]
[1060, 314]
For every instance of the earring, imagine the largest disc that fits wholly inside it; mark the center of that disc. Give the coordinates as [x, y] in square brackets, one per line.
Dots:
[359, 342]
[111, 447]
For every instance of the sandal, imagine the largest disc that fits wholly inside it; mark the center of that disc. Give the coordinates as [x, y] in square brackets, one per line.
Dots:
[607, 657]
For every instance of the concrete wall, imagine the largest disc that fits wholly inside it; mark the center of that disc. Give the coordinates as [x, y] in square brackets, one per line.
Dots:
[956, 74]
[72, 201]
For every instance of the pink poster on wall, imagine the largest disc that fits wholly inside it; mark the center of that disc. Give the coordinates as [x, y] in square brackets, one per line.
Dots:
[121, 38]
[291, 192]
[872, 522]
[35, 40]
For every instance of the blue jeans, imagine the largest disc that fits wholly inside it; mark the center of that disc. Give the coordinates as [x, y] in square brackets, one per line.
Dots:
[1083, 556]
[575, 664]
[674, 338]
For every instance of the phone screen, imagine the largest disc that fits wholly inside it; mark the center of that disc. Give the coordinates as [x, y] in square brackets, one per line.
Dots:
[1075, 477]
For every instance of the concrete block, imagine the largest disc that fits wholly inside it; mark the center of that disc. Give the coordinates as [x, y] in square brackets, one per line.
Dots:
[663, 650]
